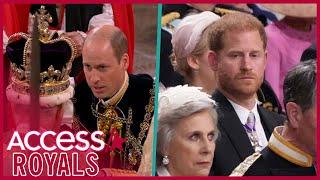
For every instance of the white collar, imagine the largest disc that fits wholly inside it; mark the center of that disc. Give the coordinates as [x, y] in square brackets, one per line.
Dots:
[163, 171]
[288, 151]
[243, 112]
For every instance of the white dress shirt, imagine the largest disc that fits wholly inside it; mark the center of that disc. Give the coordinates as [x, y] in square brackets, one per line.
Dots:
[243, 114]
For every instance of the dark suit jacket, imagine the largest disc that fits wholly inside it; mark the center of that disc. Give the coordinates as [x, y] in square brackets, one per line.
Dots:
[233, 144]
[271, 164]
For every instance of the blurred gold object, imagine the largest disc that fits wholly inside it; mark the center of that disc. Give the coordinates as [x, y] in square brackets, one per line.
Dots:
[44, 19]
[166, 19]
[268, 105]
[110, 117]
[132, 159]
[223, 11]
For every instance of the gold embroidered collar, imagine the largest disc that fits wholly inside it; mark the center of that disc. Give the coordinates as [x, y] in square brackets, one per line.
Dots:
[288, 151]
[114, 100]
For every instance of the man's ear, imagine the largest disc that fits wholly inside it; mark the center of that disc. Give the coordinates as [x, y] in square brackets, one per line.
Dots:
[193, 62]
[124, 61]
[265, 58]
[294, 113]
[213, 60]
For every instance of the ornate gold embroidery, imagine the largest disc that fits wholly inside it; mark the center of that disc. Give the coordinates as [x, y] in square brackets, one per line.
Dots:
[44, 19]
[110, 117]
[46, 89]
[135, 152]
[133, 146]
[243, 167]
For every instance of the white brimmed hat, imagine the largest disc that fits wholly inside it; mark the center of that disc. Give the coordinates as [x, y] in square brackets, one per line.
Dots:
[295, 10]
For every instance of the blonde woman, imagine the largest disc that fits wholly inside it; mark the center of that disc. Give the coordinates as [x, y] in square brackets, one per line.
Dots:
[190, 50]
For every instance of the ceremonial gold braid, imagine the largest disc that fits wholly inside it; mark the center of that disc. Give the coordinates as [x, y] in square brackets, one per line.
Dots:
[110, 117]
[135, 152]
[243, 167]
[144, 126]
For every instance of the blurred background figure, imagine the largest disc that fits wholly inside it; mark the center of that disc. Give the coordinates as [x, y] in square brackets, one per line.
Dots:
[309, 53]
[190, 50]
[287, 40]
[187, 132]
[145, 24]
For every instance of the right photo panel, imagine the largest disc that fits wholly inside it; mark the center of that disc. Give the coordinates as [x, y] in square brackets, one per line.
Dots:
[237, 91]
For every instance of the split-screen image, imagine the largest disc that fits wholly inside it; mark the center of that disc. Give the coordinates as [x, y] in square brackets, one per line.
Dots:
[159, 89]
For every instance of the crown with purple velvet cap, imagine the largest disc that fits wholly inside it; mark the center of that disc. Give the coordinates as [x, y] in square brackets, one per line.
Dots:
[56, 57]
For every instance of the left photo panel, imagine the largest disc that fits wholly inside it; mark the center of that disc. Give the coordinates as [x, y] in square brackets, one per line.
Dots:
[78, 89]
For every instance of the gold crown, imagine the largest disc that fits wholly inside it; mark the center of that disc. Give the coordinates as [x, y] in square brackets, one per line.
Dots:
[57, 55]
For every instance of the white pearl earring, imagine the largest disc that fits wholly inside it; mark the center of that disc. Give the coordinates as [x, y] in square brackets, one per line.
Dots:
[165, 160]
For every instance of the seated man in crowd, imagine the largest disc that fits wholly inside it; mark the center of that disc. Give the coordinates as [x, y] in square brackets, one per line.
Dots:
[292, 147]
[238, 55]
[112, 101]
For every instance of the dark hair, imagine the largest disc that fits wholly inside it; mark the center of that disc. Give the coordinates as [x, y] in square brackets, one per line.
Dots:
[300, 85]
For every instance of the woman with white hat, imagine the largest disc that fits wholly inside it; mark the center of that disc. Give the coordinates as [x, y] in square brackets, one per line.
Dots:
[190, 50]
[187, 132]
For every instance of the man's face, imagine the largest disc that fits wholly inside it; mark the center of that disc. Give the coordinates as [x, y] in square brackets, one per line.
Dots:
[104, 72]
[241, 63]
